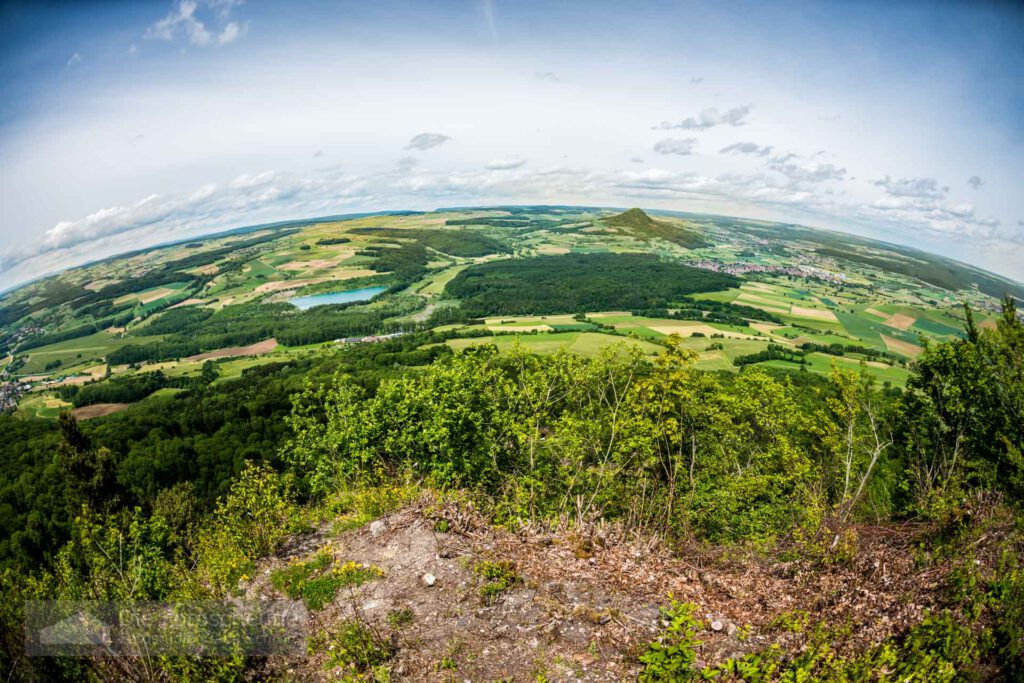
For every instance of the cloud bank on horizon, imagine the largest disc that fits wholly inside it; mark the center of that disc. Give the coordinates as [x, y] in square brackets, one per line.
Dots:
[137, 124]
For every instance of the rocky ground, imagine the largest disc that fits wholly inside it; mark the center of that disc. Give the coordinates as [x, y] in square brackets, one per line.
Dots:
[585, 603]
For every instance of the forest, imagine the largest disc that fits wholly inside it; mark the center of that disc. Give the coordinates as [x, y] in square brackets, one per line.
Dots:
[575, 283]
[451, 242]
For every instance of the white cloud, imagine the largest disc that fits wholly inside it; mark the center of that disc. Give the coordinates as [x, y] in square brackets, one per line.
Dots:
[224, 7]
[74, 59]
[183, 20]
[424, 141]
[204, 192]
[637, 160]
[709, 118]
[975, 182]
[927, 188]
[406, 163]
[549, 76]
[747, 148]
[680, 146]
[804, 170]
[923, 204]
[505, 163]
[132, 49]
[232, 31]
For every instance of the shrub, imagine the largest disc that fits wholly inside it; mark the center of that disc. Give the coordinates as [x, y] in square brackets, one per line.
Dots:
[316, 583]
[356, 648]
[498, 577]
[673, 655]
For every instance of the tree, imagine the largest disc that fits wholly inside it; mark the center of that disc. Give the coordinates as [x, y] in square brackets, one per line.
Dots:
[856, 436]
[89, 472]
[683, 412]
[963, 422]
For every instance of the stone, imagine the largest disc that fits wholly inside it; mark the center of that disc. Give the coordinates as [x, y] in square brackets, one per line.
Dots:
[717, 625]
[378, 527]
[428, 580]
[731, 629]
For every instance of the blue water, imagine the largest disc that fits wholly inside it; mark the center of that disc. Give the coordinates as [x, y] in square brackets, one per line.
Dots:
[345, 297]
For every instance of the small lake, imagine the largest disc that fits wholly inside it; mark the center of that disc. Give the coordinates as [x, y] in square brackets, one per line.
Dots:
[345, 297]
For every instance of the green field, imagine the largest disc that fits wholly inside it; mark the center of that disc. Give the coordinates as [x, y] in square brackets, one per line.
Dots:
[73, 353]
[583, 343]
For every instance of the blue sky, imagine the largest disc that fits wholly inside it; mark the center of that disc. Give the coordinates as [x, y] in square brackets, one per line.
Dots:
[124, 124]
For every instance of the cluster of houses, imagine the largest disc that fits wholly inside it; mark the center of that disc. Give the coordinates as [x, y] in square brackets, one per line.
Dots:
[740, 268]
[19, 334]
[369, 339]
[10, 393]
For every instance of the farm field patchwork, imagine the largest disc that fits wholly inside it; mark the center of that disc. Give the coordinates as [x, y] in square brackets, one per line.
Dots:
[473, 271]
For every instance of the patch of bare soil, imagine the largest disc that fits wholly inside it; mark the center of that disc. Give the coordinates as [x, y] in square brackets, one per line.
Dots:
[265, 346]
[98, 410]
[587, 603]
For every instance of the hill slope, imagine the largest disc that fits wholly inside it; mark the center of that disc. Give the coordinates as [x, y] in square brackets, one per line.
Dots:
[641, 225]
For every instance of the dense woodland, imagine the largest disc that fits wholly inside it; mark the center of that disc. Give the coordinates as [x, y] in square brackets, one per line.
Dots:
[190, 331]
[450, 242]
[769, 463]
[576, 283]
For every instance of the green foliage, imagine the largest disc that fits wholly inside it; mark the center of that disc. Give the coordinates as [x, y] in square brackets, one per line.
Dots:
[357, 649]
[45, 339]
[498, 577]
[773, 352]
[579, 282]
[88, 471]
[712, 311]
[317, 582]
[203, 435]
[673, 655]
[250, 523]
[117, 557]
[964, 423]
[250, 323]
[939, 648]
[122, 389]
[400, 618]
[463, 243]
[552, 436]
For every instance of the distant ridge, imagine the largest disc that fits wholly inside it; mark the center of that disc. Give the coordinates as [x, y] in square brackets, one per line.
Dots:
[646, 228]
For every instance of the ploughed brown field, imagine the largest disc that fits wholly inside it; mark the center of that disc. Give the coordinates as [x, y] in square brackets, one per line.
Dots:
[265, 346]
[98, 410]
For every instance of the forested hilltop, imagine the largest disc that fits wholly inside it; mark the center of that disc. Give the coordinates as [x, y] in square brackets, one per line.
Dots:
[523, 443]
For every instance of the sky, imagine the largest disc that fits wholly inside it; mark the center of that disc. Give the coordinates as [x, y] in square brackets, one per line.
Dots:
[125, 124]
